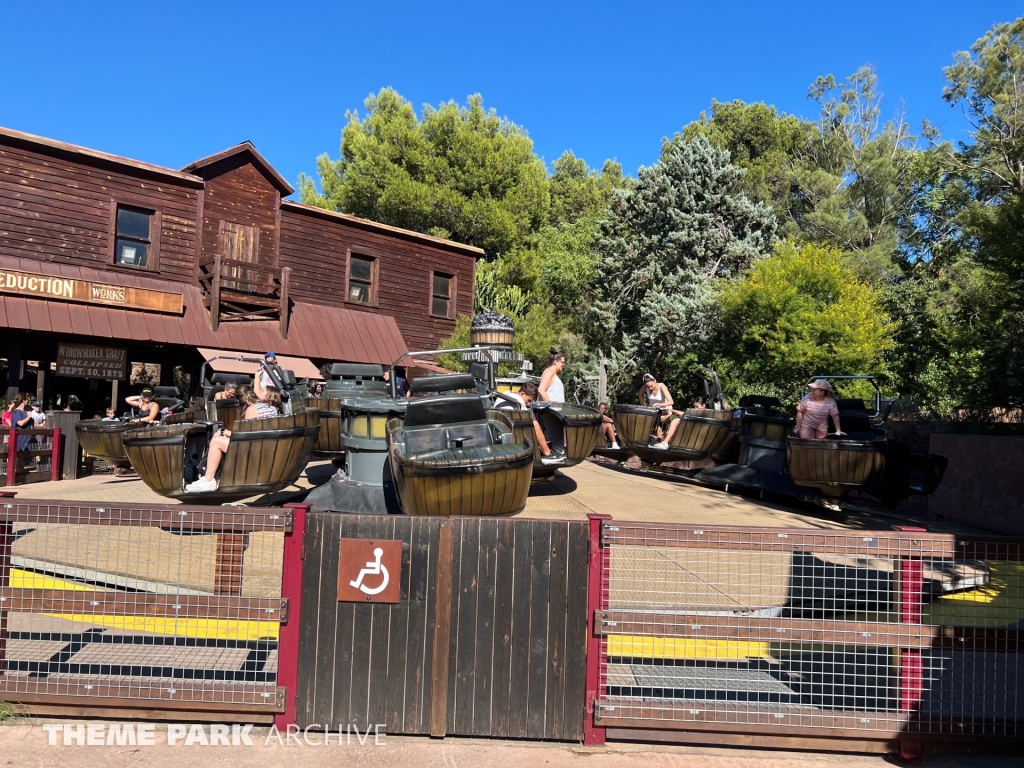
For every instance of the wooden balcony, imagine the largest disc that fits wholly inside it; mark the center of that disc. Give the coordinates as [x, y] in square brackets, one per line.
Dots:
[241, 290]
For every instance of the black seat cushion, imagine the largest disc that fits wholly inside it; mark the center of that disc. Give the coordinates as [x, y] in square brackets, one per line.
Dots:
[445, 409]
[172, 392]
[355, 371]
[754, 401]
[237, 378]
[425, 385]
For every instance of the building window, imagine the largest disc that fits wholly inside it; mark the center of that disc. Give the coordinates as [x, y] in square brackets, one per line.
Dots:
[441, 294]
[133, 243]
[362, 279]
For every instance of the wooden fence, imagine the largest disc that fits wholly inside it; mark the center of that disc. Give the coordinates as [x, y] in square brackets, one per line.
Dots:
[488, 639]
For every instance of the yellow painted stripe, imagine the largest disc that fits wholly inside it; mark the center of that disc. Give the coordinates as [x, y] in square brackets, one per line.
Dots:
[219, 629]
[637, 646]
[27, 580]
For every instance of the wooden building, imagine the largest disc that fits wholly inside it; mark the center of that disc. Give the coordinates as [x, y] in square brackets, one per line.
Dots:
[106, 256]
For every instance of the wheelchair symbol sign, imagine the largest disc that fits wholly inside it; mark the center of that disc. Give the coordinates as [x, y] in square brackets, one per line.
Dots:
[369, 571]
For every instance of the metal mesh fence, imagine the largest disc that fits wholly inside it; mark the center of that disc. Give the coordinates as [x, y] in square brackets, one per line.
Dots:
[855, 633]
[174, 604]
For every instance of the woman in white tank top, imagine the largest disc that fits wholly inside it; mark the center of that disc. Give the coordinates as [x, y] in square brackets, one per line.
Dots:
[551, 389]
[659, 397]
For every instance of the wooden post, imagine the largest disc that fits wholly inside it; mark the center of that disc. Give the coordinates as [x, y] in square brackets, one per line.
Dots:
[230, 555]
[596, 601]
[442, 630]
[13, 368]
[12, 456]
[41, 382]
[288, 637]
[55, 456]
[113, 394]
[286, 275]
[215, 295]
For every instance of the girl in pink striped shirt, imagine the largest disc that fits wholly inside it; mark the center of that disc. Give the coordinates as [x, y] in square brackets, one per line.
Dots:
[813, 412]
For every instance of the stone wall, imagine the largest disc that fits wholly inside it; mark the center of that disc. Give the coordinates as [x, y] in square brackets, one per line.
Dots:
[984, 482]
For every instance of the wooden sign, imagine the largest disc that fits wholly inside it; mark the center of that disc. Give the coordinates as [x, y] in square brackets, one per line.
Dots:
[86, 292]
[370, 571]
[85, 362]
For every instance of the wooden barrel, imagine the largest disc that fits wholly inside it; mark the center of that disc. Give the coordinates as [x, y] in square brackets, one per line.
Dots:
[492, 336]
[634, 423]
[159, 455]
[582, 427]
[265, 455]
[582, 431]
[227, 412]
[328, 442]
[836, 466]
[701, 432]
[104, 439]
[484, 481]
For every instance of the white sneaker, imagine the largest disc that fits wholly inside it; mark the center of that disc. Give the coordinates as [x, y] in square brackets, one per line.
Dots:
[614, 447]
[551, 458]
[201, 485]
[662, 446]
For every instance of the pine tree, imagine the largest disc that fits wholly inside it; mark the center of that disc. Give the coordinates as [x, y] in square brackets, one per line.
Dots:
[684, 225]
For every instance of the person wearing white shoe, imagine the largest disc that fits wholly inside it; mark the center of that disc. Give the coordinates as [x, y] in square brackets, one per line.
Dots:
[608, 427]
[265, 406]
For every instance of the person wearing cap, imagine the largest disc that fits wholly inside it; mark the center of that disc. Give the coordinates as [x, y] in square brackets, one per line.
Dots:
[149, 409]
[813, 412]
[38, 416]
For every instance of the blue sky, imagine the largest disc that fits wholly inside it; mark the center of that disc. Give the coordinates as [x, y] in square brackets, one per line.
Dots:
[171, 82]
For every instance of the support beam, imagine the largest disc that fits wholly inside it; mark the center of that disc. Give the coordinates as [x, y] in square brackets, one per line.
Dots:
[13, 368]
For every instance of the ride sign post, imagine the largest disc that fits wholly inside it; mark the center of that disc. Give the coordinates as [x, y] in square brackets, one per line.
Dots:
[370, 571]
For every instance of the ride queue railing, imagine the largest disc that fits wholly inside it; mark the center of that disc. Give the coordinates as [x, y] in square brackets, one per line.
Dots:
[744, 633]
[44, 446]
[151, 607]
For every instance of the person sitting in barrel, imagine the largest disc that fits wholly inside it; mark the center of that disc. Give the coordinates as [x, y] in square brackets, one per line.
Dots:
[266, 406]
[529, 393]
[658, 396]
[230, 392]
[813, 412]
[111, 415]
[608, 427]
[149, 409]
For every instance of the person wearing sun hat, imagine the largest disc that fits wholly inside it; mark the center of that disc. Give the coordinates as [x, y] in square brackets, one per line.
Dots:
[814, 410]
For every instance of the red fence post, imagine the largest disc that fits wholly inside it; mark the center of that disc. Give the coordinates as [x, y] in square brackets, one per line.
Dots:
[12, 455]
[288, 636]
[911, 587]
[55, 456]
[596, 600]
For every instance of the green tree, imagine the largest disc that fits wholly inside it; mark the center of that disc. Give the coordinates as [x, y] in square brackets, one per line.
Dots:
[800, 312]
[459, 172]
[684, 225]
[971, 268]
[763, 143]
[855, 175]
